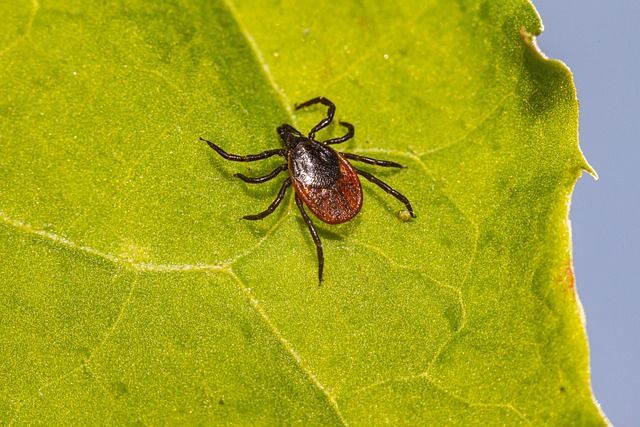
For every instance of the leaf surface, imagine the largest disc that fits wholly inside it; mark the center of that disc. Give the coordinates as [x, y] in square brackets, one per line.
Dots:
[133, 293]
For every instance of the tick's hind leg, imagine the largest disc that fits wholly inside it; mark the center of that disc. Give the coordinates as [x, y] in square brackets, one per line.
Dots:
[350, 132]
[247, 158]
[388, 189]
[324, 122]
[272, 207]
[261, 179]
[314, 235]
[371, 161]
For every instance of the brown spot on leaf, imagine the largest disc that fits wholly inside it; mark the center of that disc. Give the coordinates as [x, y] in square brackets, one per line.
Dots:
[566, 279]
[571, 278]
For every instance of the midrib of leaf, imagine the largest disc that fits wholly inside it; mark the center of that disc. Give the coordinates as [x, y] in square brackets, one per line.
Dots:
[286, 105]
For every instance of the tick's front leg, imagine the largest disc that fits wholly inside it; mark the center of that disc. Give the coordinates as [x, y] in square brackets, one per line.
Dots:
[247, 158]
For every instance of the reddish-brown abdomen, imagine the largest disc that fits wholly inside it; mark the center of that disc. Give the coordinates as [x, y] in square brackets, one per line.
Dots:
[335, 203]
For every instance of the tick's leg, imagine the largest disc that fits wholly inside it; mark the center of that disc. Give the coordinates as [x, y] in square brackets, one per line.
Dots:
[265, 178]
[314, 235]
[371, 161]
[272, 207]
[388, 189]
[248, 158]
[324, 122]
[350, 132]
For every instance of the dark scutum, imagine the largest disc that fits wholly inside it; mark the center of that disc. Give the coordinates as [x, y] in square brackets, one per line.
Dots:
[314, 165]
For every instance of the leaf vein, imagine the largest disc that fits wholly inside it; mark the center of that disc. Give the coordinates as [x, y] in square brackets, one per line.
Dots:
[424, 167]
[423, 376]
[471, 403]
[282, 96]
[84, 364]
[283, 217]
[300, 362]
[35, 6]
[391, 261]
[493, 111]
[463, 321]
[60, 240]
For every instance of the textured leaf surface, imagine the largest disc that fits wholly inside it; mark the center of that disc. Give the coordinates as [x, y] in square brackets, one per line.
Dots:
[133, 293]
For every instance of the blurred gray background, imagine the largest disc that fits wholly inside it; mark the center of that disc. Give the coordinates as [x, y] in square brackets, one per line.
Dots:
[599, 41]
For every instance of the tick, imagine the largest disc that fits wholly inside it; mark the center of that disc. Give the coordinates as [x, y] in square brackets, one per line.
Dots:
[322, 178]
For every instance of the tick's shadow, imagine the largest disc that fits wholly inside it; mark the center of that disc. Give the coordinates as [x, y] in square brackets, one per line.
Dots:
[320, 226]
[387, 202]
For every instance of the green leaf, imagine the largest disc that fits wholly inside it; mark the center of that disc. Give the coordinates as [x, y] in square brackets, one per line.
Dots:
[133, 293]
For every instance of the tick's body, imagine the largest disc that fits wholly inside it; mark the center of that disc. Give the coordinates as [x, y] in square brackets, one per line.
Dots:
[322, 178]
[325, 182]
